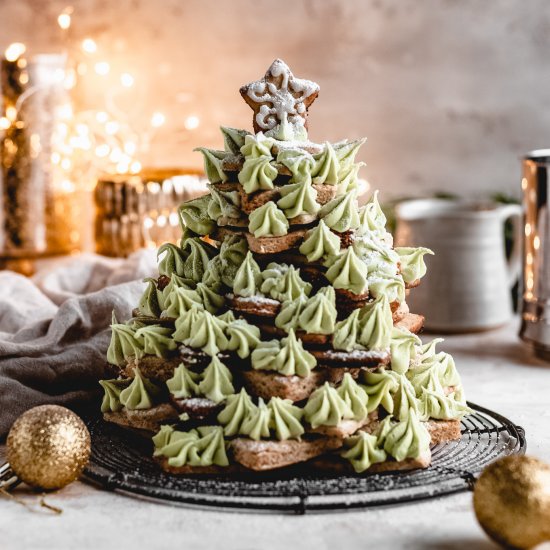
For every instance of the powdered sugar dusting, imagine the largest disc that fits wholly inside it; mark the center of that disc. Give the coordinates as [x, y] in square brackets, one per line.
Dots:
[254, 299]
[308, 146]
[356, 354]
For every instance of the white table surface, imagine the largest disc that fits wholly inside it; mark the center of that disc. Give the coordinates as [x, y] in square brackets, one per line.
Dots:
[498, 372]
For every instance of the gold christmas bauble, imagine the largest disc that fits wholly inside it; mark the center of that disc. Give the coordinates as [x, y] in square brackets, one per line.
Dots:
[512, 501]
[48, 447]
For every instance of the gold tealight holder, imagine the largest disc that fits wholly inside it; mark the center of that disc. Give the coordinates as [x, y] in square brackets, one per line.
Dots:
[136, 211]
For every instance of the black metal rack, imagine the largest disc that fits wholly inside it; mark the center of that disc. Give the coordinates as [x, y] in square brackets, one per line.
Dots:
[121, 462]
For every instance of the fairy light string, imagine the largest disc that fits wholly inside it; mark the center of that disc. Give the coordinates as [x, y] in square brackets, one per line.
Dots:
[108, 137]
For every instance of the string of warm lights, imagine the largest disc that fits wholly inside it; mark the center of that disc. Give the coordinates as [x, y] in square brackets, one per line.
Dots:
[92, 140]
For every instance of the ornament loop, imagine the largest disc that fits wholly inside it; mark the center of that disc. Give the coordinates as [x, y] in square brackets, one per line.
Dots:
[8, 479]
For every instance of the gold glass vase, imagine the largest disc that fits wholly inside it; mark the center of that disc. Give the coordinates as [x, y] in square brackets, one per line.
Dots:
[141, 210]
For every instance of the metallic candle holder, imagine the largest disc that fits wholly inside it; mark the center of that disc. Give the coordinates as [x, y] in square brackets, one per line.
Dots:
[141, 210]
[535, 312]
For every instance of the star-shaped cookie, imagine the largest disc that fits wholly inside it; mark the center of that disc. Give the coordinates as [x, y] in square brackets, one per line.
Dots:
[279, 96]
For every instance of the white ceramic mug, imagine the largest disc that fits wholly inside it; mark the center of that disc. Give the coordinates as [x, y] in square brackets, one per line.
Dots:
[467, 286]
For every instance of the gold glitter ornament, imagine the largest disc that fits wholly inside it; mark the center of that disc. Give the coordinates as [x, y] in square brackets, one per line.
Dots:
[48, 447]
[512, 501]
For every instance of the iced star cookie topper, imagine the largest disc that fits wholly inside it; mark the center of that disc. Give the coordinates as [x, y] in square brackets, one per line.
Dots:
[279, 97]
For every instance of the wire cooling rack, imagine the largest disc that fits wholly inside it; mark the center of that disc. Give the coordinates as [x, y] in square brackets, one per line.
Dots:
[121, 462]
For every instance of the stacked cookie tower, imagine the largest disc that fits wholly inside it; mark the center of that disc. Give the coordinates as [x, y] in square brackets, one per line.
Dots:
[278, 330]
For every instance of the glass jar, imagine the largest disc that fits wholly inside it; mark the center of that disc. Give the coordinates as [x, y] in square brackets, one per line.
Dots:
[39, 212]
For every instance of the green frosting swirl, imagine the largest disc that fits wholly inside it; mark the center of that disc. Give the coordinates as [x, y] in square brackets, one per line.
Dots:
[348, 272]
[299, 163]
[271, 275]
[412, 262]
[233, 139]
[425, 376]
[372, 218]
[186, 321]
[375, 324]
[391, 286]
[384, 428]
[346, 151]
[286, 131]
[207, 333]
[204, 446]
[379, 256]
[162, 437]
[268, 221]
[232, 253]
[298, 199]
[439, 406]
[404, 399]
[210, 300]
[197, 255]
[156, 340]
[175, 282]
[262, 357]
[283, 283]
[256, 146]
[213, 164]
[325, 407]
[448, 372]
[341, 212]
[216, 381]
[285, 419]
[327, 166]
[173, 261]
[257, 173]
[243, 337]
[403, 349]
[380, 386]
[428, 351]
[178, 447]
[320, 243]
[237, 408]
[149, 301]
[293, 359]
[348, 177]
[124, 344]
[212, 277]
[346, 333]
[362, 451]
[248, 278]
[289, 316]
[256, 424]
[435, 371]
[355, 396]
[111, 397]
[140, 394]
[287, 356]
[407, 439]
[194, 215]
[367, 244]
[227, 317]
[180, 301]
[224, 203]
[183, 383]
[318, 315]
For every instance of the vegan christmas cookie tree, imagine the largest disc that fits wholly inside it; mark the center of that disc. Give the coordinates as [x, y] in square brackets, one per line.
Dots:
[278, 331]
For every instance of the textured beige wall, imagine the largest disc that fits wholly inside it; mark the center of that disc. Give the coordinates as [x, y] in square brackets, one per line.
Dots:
[450, 93]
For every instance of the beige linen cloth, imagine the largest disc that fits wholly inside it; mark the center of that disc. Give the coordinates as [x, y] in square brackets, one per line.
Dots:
[54, 328]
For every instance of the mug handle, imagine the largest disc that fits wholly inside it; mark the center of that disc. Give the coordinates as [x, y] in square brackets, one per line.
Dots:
[514, 212]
